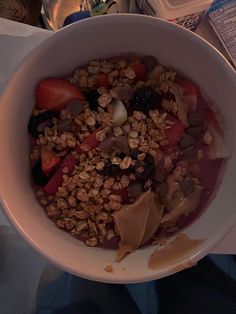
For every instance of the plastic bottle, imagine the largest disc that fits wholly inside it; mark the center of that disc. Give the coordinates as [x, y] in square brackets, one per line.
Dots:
[24, 11]
[187, 13]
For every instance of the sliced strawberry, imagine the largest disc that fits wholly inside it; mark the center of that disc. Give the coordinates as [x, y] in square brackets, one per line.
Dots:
[211, 117]
[55, 94]
[102, 80]
[218, 149]
[191, 92]
[56, 180]
[69, 162]
[189, 87]
[140, 71]
[175, 132]
[91, 142]
[49, 161]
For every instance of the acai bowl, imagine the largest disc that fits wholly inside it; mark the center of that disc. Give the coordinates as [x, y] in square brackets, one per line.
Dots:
[129, 188]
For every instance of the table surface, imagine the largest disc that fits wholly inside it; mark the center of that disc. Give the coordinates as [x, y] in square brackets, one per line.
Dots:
[16, 40]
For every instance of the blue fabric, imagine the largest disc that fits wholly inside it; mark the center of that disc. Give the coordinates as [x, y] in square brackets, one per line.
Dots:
[227, 263]
[145, 297]
[68, 289]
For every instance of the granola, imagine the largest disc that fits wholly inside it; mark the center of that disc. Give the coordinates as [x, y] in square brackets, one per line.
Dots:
[121, 130]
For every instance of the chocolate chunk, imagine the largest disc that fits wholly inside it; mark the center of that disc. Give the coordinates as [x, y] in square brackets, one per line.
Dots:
[187, 140]
[150, 62]
[187, 186]
[189, 152]
[195, 119]
[169, 96]
[135, 189]
[126, 93]
[195, 131]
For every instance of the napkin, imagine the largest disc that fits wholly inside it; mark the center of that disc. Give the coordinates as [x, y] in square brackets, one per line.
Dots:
[21, 267]
[16, 40]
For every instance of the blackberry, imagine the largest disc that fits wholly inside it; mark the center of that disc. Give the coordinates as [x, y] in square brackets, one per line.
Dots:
[134, 153]
[195, 119]
[35, 121]
[92, 98]
[169, 96]
[38, 176]
[145, 98]
[149, 159]
[110, 169]
[122, 155]
[195, 131]
[149, 169]
[146, 174]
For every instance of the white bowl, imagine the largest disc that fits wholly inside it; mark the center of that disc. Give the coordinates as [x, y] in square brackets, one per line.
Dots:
[58, 56]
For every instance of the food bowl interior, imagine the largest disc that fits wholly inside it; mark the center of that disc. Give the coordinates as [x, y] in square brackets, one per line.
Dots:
[58, 56]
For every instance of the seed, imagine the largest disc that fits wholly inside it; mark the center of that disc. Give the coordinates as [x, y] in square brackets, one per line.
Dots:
[207, 138]
[91, 241]
[81, 226]
[116, 160]
[133, 134]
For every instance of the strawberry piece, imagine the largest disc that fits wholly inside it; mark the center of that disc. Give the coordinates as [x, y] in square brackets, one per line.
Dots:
[91, 142]
[189, 87]
[140, 71]
[211, 117]
[55, 94]
[175, 132]
[102, 80]
[69, 162]
[49, 161]
[121, 192]
[56, 180]
[191, 93]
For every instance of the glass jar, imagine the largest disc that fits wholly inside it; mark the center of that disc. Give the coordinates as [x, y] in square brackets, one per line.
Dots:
[23, 11]
[57, 10]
